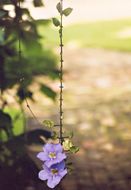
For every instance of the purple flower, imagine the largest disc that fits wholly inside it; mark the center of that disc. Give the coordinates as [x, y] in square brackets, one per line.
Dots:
[54, 174]
[52, 154]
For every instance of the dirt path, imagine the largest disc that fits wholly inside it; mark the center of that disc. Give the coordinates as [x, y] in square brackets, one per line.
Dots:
[98, 87]
[97, 107]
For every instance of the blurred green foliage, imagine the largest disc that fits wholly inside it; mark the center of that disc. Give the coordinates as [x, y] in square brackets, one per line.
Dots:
[19, 68]
[99, 34]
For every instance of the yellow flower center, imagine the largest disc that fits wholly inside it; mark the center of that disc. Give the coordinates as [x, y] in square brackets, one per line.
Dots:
[52, 155]
[54, 171]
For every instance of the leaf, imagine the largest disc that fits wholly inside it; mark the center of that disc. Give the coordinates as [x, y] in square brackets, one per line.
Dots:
[48, 123]
[24, 93]
[59, 7]
[48, 91]
[1, 36]
[67, 11]
[69, 163]
[67, 144]
[74, 149]
[3, 13]
[54, 135]
[71, 134]
[38, 3]
[5, 2]
[56, 22]
[34, 136]
[6, 123]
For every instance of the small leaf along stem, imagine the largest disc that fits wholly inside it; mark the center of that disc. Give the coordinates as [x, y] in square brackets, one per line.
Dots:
[61, 71]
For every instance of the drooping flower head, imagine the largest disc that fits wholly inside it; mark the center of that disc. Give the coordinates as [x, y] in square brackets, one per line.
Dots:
[52, 154]
[54, 174]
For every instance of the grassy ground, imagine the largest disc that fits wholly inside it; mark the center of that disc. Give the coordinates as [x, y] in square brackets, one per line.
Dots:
[115, 34]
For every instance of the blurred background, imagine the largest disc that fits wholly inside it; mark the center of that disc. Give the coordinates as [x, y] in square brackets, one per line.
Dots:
[97, 93]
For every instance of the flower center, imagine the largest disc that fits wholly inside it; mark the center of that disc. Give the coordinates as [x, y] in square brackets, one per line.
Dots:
[54, 171]
[52, 155]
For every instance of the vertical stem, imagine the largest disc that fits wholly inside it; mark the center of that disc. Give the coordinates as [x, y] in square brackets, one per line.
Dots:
[2, 74]
[19, 33]
[61, 72]
[20, 58]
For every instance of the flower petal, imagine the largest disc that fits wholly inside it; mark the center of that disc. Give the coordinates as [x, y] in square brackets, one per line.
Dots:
[58, 148]
[60, 157]
[50, 182]
[63, 173]
[48, 148]
[42, 156]
[50, 162]
[53, 181]
[59, 166]
[43, 175]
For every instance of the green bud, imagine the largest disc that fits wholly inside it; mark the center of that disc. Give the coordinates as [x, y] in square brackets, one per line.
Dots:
[74, 149]
[54, 135]
[48, 123]
[67, 144]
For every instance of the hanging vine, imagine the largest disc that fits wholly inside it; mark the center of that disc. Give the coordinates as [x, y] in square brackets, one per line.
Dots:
[54, 154]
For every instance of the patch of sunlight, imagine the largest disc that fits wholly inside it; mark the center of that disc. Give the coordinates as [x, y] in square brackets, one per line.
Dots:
[126, 136]
[108, 147]
[108, 121]
[84, 126]
[73, 44]
[124, 33]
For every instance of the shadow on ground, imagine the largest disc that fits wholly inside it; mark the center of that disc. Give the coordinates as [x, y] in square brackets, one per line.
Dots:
[97, 108]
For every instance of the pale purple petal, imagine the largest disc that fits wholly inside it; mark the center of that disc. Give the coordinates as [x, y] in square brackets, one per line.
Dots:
[63, 173]
[58, 148]
[50, 183]
[43, 175]
[48, 148]
[50, 162]
[46, 168]
[60, 157]
[42, 156]
[56, 179]
[53, 181]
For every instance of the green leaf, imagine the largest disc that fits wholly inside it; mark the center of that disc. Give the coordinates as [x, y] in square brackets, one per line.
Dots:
[69, 163]
[5, 2]
[71, 134]
[54, 135]
[74, 149]
[67, 11]
[48, 91]
[24, 93]
[1, 36]
[6, 123]
[48, 123]
[3, 13]
[38, 3]
[67, 144]
[59, 7]
[56, 22]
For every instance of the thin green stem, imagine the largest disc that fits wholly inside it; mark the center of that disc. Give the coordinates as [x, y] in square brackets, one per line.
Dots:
[61, 72]
[19, 35]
